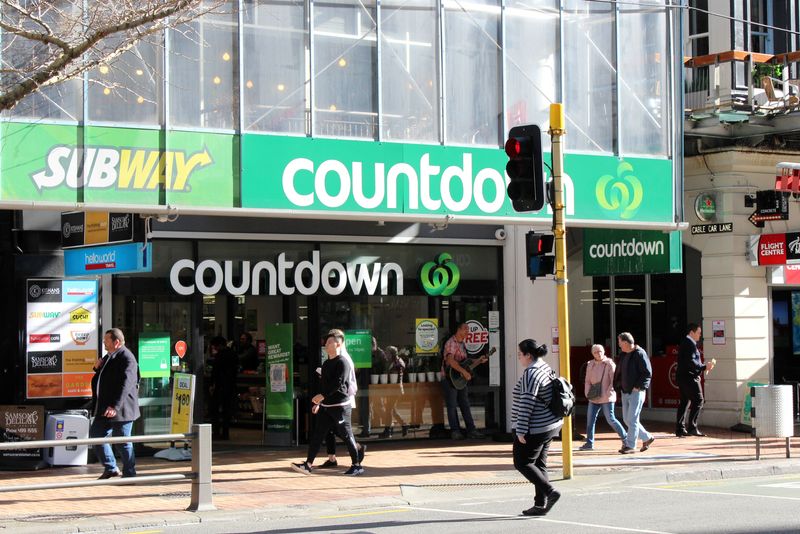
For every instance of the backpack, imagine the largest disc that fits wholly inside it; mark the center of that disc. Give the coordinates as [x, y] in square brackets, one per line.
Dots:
[562, 401]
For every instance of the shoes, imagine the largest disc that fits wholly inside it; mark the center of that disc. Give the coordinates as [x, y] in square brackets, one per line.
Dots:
[646, 444]
[361, 452]
[681, 433]
[387, 433]
[695, 433]
[363, 434]
[627, 450]
[456, 435]
[474, 434]
[302, 468]
[329, 464]
[404, 430]
[534, 511]
[354, 471]
[109, 474]
[586, 447]
[552, 499]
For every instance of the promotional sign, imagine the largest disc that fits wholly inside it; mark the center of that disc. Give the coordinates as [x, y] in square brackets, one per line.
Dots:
[280, 382]
[79, 228]
[62, 339]
[718, 332]
[21, 423]
[182, 403]
[747, 404]
[785, 274]
[359, 346]
[426, 335]
[154, 360]
[664, 384]
[795, 322]
[180, 348]
[477, 338]
[612, 252]
[111, 259]
[774, 249]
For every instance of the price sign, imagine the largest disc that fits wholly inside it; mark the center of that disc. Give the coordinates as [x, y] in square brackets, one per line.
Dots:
[182, 403]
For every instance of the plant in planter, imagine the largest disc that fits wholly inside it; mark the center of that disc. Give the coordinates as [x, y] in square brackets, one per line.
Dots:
[772, 70]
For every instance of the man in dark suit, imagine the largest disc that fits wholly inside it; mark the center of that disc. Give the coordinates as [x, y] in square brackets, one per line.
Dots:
[690, 367]
[115, 394]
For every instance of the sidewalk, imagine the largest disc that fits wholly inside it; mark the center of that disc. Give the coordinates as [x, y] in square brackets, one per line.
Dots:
[252, 481]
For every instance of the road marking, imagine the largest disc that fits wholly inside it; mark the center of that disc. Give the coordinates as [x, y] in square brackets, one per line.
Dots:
[723, 493]
[146, 532]
[543, 519]
[376, 512]
[790, 485]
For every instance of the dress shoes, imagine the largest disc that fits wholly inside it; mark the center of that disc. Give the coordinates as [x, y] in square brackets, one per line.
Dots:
[695, 433]
[681, 433]
[109, 474]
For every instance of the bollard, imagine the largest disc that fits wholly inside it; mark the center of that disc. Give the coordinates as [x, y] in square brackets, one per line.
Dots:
[202, 498]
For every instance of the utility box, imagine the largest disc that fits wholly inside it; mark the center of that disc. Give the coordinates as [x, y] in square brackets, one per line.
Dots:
[66, 426]
[772, 413]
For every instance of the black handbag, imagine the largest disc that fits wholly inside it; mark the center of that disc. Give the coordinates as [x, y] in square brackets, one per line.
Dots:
[595, 390]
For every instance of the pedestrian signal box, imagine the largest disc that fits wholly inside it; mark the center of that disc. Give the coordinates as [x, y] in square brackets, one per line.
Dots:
[538, 252]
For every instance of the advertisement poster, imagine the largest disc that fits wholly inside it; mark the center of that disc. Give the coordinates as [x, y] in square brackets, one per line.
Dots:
[280, 386]
[21, 423]
[359, 346]
[718, 332]
[61, 339]
[154, 351]
[426, 335]
[182, 403]
[795, 322]
[748, 403]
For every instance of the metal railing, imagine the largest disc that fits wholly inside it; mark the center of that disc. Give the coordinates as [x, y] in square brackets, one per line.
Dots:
[708, 86]
[200, 438]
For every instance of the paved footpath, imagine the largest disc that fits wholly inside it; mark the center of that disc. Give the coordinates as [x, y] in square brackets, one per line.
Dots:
[248, 481]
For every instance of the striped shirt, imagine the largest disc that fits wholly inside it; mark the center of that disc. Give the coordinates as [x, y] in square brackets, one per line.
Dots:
[530, 412]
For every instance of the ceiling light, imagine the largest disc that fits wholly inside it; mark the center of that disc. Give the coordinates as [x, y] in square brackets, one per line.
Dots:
[281, 87]
[332, 107]
[217, 80]
[140, 100]
[249, 84]
[342, 62]
[106, 91]
[139, 72]
[226, 57]
[103, 69]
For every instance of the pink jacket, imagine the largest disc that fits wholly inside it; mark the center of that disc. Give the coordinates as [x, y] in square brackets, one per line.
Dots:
[601, 371]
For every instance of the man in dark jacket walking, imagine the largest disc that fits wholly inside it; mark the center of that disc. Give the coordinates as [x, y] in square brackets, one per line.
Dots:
[225, 367]
[634, 373]
[115, 396]
[690, 367]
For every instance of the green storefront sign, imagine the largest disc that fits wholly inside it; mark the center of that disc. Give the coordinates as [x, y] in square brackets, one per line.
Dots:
[359, 347]
[612, 252]
[40, 162]
[154, 348]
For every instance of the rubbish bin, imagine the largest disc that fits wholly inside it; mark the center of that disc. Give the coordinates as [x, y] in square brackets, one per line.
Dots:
[67, 426]
[772, 414]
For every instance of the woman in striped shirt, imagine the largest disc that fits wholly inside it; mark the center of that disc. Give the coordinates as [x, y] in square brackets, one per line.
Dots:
[534, 424]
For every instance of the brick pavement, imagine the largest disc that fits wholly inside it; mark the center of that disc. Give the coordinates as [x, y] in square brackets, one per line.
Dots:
[247, 479]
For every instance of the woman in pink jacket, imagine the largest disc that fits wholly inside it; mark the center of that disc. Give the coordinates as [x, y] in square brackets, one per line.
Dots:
[599, 390]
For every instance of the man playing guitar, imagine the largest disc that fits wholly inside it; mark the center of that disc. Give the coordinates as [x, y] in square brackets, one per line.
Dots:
[455, 352]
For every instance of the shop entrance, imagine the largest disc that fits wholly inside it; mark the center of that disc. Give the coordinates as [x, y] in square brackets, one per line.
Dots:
[786, 338]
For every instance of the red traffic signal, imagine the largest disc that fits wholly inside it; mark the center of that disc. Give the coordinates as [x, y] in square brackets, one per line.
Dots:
[539, 261]
[524, 168]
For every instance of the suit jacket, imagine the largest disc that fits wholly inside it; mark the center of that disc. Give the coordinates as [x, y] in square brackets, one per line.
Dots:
[689, 362]
[116, 384]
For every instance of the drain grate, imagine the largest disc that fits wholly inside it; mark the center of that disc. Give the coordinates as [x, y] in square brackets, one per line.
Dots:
[52, 518]
[465, 485]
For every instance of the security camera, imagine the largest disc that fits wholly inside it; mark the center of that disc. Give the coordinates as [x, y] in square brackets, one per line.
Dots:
[500, 234]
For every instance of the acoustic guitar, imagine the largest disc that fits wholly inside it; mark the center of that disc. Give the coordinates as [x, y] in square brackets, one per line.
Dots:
[458, 381]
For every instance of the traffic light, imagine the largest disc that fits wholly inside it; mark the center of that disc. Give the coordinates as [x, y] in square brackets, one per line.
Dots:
[524, 168]
[537, 252]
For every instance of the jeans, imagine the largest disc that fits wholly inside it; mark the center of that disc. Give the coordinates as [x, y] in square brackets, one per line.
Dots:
[457, 398]
[103, 428]
[591, 418]
[530, 459]
[631, 411]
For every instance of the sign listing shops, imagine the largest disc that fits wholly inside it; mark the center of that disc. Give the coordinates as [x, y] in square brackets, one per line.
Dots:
[79, 228]
[61, 335]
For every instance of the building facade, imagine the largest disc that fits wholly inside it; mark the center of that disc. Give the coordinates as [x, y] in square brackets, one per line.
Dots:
[338, 164]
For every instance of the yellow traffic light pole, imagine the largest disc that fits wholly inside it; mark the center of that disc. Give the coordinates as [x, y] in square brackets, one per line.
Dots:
[557, 131]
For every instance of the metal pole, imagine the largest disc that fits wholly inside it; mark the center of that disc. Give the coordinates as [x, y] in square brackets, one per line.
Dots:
[201, 466]
[557, 131]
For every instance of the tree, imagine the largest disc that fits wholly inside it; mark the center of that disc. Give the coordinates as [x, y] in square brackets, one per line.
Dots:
[46, 42]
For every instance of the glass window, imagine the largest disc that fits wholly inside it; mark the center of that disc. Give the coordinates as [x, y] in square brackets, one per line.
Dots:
[128, 90]
[275, 83]
[409, 40]
[589, 77]
[532, 80]
[202, 69]
[472, 70]
[60, 101]
[644, 95]
[345, 103]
